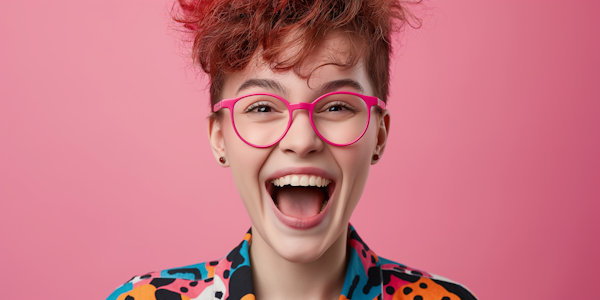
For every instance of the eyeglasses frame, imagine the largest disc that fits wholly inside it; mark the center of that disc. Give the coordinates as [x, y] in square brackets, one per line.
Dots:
[369, 100]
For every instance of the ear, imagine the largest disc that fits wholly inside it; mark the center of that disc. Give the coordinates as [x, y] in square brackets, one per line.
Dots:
[383, 130]
[217, 142]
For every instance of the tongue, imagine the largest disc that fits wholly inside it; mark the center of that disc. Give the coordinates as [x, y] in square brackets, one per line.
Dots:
[299, 201]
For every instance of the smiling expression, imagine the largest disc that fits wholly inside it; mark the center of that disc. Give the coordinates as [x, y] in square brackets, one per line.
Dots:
[300, 192]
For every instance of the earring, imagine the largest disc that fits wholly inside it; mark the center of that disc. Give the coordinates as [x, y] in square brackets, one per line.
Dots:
[222, 160]
[375, 157]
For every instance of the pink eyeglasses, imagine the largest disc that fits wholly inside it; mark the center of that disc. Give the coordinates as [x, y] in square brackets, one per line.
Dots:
[262, 120]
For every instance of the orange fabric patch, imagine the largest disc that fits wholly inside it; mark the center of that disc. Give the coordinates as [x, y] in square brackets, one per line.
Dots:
[211, 270]
[145, 292]
[248, 297]
[426, 288]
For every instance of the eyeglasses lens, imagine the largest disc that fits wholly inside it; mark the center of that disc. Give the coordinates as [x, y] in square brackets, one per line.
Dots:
[341, 118]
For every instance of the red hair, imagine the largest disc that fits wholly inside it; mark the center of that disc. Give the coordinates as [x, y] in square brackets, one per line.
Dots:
[227, 33]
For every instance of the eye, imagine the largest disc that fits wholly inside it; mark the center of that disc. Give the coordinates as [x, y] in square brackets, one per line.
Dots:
[339, 106]
[336, 108]
[259, 107]
[263, 109]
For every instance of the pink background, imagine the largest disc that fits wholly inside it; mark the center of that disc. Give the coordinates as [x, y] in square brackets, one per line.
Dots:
[491, 176]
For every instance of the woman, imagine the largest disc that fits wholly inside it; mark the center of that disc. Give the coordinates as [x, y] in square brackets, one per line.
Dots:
[298, 92]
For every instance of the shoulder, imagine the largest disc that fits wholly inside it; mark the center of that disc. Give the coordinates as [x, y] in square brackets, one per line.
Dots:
[189, 282]
[410, 283]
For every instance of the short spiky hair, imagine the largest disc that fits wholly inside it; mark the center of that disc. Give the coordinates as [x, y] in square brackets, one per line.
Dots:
[227, 33]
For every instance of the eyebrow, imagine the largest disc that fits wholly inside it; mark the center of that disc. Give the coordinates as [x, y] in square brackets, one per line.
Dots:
[336, 84]
[275, 86]
[268, 84]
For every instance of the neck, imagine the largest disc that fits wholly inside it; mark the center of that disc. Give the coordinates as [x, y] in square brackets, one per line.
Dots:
[276, 278]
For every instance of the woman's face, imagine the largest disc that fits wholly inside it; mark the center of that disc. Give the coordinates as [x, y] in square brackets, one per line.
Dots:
[299, 222]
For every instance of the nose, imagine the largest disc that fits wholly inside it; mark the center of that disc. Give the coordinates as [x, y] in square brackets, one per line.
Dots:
[301, 138]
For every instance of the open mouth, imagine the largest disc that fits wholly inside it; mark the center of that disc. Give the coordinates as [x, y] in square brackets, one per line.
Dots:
[301, 196]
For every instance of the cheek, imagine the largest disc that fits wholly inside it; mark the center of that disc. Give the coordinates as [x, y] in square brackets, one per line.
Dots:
[355, 162]
[244, 160]
[357, 157]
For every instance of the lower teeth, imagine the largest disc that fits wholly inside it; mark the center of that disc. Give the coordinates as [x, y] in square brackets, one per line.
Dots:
[323, 206]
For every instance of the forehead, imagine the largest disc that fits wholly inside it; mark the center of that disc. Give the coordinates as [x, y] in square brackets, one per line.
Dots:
[330, 61]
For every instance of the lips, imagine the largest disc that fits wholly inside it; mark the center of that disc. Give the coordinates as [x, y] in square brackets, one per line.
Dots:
[300, 200]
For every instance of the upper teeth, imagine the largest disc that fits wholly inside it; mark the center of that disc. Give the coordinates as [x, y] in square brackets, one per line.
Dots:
[301, 180]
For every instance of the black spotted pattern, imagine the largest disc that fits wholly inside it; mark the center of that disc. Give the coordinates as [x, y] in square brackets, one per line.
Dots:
[374, 279]
[163, 294]
[240, 283]
[407, 277]
[158, 282]
[353, 286]
[390, 290]
[235, 257]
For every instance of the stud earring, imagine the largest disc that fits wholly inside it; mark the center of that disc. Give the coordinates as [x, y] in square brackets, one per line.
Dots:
[222, 160]
[375, 157]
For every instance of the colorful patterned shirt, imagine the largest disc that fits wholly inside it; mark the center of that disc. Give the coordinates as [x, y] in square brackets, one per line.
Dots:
[368, 277]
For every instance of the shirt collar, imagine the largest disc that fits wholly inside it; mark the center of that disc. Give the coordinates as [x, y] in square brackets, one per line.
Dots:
[233, 275]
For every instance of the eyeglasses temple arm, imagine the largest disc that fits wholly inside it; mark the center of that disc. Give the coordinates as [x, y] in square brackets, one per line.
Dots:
[380, 103]
[217, 106]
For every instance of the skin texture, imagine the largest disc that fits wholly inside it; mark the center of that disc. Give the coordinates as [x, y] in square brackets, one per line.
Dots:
[309, 263]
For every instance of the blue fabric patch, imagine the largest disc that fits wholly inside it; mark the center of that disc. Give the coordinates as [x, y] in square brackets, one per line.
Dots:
[355, 267]
[122, 289]
[244, 253]
[201, 267]
[356, 270]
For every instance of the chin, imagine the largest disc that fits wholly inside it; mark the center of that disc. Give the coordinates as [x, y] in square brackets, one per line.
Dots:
[301, 250]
